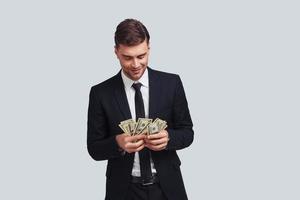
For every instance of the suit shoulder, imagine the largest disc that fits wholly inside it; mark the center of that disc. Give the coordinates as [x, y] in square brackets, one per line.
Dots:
[165, 75]
[108, 83]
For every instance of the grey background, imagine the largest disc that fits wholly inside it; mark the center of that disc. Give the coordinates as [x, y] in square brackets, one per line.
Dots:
[239, 62]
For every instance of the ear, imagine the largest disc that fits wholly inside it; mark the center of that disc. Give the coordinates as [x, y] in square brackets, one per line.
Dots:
[116, 51]
[148, 48]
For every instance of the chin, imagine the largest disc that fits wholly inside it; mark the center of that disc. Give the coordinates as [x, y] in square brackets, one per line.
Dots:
[136, 77]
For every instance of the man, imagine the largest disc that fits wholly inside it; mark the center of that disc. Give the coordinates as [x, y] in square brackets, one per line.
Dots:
[139, 167]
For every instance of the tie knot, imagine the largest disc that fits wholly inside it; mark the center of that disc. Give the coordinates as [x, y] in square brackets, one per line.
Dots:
[137, 86]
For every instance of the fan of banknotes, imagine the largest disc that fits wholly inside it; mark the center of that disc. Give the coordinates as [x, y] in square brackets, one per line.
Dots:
[142, 126]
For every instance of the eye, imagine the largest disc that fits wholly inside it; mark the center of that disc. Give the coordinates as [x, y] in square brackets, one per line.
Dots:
[127, 58]
[141, 57]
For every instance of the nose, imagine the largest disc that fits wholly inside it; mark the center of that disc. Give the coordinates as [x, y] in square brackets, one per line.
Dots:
[135, 63]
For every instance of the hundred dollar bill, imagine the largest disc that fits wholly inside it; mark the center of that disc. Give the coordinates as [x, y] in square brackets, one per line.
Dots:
[126, 126]
[127, 121]
[132, 126]
[164, 127]
[160, 123]
[145, 130]
[153, 128]
[142, 124]
[123, 129]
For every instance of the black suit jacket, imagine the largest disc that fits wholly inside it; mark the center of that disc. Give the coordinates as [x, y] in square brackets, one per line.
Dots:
[108, 106]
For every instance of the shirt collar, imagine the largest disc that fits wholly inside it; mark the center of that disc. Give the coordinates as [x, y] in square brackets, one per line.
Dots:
[144, 80]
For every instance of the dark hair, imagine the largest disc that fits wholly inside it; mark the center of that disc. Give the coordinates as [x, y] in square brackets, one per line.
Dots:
[131, 32]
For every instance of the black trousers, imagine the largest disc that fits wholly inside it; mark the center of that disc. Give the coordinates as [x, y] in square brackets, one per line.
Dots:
[149, 192]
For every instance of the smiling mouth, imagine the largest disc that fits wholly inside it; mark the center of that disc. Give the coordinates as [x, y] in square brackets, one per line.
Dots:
[136, 71]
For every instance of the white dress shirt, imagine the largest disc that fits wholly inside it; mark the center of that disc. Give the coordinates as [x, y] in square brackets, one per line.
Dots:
[130, 93]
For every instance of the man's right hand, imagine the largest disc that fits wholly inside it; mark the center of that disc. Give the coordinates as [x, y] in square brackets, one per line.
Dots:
[129, 143]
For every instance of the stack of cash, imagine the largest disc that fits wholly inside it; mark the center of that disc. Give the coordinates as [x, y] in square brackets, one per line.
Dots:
[143, 126]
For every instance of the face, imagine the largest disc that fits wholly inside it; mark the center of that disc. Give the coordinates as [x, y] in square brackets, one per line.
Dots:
[133, 59]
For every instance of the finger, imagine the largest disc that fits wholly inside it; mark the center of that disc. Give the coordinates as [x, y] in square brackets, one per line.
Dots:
[140, 137]
[134, 145]
[132, 139]
[157, 141]
[131, 150]
[156, 147]
[135, 138]
[154, 136]
[158, 135]
[140, 148]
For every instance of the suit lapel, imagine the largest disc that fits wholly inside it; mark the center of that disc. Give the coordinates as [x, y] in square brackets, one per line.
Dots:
[121, 97]
[153, 92]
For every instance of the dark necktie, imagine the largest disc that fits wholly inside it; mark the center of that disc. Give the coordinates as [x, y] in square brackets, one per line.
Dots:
[144, 154]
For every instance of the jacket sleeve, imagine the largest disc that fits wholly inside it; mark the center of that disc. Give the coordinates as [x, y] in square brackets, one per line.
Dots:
[101, 145]
[181, 133]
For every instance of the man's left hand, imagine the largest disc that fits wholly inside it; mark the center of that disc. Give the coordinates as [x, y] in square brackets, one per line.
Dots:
[158, 141]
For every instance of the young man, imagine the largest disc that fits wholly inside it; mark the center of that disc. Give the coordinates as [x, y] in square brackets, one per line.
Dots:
[140, 166]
